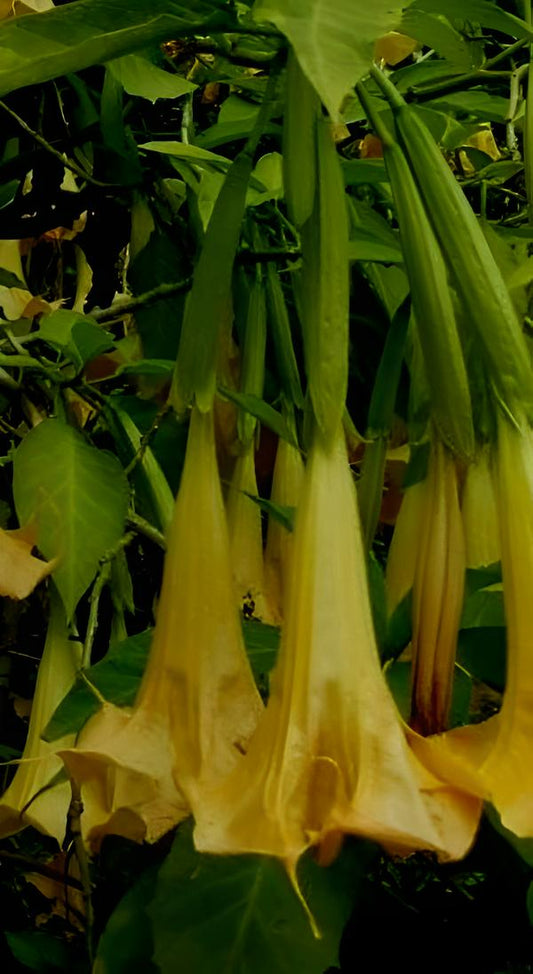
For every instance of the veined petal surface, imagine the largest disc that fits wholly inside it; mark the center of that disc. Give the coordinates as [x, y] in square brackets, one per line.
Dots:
[330, 755]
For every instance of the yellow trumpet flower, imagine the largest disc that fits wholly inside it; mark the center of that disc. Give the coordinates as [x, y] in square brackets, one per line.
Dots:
[480, 519]
[197, 705]
[286, 490]
[28, 800]
[246, 538]
[493, 759]
[428, 555]
[330, 755]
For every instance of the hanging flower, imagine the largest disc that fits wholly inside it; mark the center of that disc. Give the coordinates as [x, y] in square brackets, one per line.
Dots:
[197, 705]
[428, 555]
[286, 490]
[330, 755]
[480, 519]
[246, 538]
[29, 799]
[493, 759]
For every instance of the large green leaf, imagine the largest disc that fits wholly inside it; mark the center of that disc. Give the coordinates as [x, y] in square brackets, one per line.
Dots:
[333, 41]
[240, 915]
[138, 76]
[39, 47]
[78, 496]
[126, 945]
[483, 12]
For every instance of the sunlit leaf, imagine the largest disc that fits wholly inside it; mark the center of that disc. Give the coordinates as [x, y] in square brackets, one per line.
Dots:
[77, 496]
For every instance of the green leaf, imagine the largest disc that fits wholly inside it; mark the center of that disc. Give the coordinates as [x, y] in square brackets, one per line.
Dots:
[399, 628]
[497, 173]
[78, 336]
[78, 496]
[484, 608]
[359, 172]
[262, 645]
[117, 677]
[232, 131]
[366, 245]
[378, 598]
[432, 29]
[152, 490]
[477, 578]
[279, 512]
[524, 847]
[126, 945]
[485, 13]
[262, 411]
[164, 258]
[333, 42]
[7, 194]
[162, 367]
[187, 152]
[482, 652]
[8, 279]
[240, 914]
[478, 104]
[138, 76]
[399, 680]
[72, 37]
[39, 951]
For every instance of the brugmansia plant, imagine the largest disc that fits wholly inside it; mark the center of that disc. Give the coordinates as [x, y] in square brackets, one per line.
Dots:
[255, 645]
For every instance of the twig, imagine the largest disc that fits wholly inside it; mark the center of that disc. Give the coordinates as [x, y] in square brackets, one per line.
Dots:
[92, 624]
[514, 93]
[120, 310]
[67, 163]
[144, 527]
[146, 437]
[33, 866]
[78, 847]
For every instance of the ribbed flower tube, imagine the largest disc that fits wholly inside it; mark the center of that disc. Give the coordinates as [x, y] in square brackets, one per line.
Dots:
[493, 759]
[28, 800]
[246, 538]
[197, 705]
[330, 755]
[428, 554]
[480, 518]
[286, 491]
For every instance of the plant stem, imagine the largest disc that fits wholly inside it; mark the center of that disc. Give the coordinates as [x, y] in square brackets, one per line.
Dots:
[119, 310]
[74, 828]
[144, 527]
[67, 163]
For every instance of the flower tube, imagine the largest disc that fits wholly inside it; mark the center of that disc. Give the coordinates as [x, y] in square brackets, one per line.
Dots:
[246, 538]
[428, 554]
[493, 759]
[286, 491]
[197, 704]
[480, 518]
[330, 755]
[28, 800]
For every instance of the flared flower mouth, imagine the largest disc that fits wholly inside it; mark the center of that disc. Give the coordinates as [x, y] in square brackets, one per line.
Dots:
[197, 705]
[493, 759]
[330, 755]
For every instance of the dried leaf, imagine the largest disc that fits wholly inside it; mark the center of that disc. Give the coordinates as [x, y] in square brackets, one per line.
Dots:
[20, 571]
